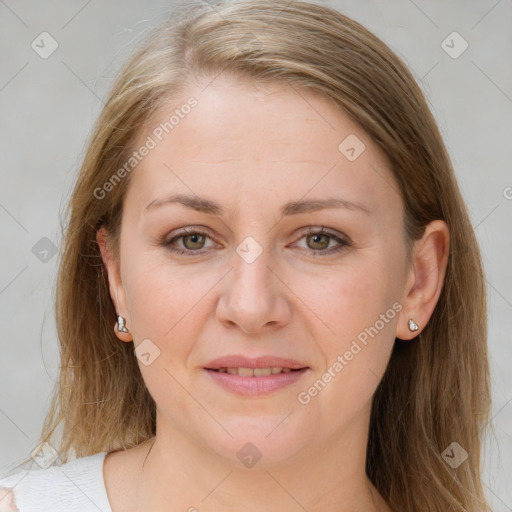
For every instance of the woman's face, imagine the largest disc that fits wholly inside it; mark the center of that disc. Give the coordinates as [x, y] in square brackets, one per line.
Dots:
[268, 165]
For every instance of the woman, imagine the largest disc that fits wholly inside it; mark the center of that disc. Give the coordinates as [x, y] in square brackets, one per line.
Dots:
[213, 356]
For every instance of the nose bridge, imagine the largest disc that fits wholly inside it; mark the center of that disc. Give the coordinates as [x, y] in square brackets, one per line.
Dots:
[253, 252]
[252, 275]
[253, 297]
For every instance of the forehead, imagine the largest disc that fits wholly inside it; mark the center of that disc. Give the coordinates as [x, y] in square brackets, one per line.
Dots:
[243, 140]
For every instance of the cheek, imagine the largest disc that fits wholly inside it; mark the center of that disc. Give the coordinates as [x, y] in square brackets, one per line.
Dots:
[165, 308]
[348, 299]
[162, 299]
[358, 310]
[170, 305]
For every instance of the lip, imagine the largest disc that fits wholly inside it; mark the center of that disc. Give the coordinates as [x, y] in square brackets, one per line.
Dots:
[251, 386]
[240, 361]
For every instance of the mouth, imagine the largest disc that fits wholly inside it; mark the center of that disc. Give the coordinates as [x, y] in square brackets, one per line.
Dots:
[256, 372]
[251, 382]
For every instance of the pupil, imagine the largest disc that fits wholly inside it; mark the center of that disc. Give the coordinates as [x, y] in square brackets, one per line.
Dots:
[316, 237]
[194, 238]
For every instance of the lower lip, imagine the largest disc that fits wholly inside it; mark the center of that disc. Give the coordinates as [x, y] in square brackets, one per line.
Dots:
[250, 386]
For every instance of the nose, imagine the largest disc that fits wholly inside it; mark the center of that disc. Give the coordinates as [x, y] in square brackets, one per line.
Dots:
[254, 297]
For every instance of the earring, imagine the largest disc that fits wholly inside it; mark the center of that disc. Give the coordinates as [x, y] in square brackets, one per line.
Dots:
[120, 324]
[413, 326]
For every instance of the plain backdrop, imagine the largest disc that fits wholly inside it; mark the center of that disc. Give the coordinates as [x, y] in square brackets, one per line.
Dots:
[48, 106]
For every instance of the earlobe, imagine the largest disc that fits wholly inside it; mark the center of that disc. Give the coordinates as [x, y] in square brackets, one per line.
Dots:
[121, 330]
[413, 326]
[425, 281]
[116, 289]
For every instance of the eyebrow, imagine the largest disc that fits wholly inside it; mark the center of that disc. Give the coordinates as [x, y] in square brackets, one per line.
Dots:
[292, 208]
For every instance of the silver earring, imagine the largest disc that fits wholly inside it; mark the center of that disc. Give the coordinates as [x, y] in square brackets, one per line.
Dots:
[413, 326]
[120, 324]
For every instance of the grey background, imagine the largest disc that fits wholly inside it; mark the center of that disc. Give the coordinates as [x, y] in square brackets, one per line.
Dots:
[48, 107]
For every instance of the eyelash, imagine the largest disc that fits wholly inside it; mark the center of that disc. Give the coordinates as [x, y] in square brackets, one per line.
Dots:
[343, 242]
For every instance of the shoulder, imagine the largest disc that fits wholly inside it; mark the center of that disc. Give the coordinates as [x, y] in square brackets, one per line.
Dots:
[77, 485]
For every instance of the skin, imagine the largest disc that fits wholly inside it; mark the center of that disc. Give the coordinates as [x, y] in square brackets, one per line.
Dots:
[252, 149]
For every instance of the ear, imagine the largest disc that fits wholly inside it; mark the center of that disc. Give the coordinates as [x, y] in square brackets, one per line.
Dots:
[425, 278]
[117, 292]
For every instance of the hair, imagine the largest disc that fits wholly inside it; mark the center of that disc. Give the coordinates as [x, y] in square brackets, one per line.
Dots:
[435, 391]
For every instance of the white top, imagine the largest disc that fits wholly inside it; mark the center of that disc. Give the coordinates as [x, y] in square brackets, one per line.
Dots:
[77, 486]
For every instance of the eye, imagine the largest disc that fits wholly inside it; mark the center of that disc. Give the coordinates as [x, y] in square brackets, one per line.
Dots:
[319, 240]
[192, 239]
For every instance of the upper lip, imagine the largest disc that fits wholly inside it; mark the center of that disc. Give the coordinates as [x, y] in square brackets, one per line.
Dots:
[240, 361]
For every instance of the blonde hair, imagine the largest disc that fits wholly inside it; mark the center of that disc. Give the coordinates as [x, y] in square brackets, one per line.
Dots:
[435, 391]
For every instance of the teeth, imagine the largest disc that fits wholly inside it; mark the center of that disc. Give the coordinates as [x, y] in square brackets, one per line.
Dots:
[262, 371]
[245, 372]
[254, 372]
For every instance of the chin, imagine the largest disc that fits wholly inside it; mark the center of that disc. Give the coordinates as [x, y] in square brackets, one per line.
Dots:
[259, 442]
